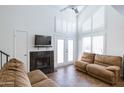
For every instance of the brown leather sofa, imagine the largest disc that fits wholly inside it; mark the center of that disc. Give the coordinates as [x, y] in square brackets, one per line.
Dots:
[13, 74]
[103, 67]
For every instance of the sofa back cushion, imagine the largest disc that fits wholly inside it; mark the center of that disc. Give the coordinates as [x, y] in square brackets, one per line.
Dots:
[14, 64]
[14, 75]
[107, 60]
[88, 57]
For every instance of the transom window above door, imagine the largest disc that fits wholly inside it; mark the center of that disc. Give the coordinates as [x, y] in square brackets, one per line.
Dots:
[63, 25]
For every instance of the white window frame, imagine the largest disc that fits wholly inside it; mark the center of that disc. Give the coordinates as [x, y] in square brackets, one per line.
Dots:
[104, 41]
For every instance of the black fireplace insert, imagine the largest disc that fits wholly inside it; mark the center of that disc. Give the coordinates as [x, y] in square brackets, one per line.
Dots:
[43, 60]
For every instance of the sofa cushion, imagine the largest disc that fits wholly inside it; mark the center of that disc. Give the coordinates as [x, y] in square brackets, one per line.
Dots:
[36, 76]
[45, 83]
[100, 71]
[108, 60]
[81, 64]
[14, 75]
[88, 57]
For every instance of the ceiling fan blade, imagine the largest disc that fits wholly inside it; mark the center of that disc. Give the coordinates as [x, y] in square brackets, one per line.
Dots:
[64, 8]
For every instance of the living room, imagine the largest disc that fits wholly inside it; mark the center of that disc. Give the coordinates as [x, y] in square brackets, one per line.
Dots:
[60, 34]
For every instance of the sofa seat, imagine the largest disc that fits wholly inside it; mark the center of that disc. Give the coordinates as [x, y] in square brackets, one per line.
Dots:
[101, 72]
[36, 76]
[39, 79]
[45, 83]
[82, 65]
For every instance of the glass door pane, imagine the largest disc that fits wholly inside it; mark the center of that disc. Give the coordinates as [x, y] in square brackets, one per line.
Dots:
[86, 44]
[70, 50]
[98, 44]
[60, 51]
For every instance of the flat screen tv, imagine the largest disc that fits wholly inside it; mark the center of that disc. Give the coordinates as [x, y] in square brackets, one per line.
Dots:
[41, 40]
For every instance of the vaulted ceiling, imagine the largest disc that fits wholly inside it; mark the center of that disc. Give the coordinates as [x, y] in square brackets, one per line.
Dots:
[70, 8]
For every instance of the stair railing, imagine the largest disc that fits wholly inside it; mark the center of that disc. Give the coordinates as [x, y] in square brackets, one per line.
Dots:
[1, 57]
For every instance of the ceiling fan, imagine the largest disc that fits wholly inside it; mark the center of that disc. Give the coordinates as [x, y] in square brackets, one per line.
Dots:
[73, 7]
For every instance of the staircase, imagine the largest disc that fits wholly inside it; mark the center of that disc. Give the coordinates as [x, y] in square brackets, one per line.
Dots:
[2, 55]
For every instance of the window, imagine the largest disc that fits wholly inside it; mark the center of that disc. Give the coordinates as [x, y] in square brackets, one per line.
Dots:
[73, 27]
[58, 24]
[97, 44]
[69, 27]
[65, 26]
[98, 19]
[86, 43]
[70, 50]
[93, 29]
[87, 25]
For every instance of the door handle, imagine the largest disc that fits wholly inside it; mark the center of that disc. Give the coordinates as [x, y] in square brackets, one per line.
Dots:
[25, 54]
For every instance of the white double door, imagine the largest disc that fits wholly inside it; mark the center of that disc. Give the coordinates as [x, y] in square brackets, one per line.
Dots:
[64, 51]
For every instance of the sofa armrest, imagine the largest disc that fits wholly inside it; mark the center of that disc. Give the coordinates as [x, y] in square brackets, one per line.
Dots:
[75, 63]
[36, 76]
[113, 68]
[116, 70]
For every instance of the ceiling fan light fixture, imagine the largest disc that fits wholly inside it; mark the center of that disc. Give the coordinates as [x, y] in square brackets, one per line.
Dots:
[75, 10]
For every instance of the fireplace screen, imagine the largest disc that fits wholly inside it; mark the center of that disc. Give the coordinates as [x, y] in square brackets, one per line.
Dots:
[42, 62]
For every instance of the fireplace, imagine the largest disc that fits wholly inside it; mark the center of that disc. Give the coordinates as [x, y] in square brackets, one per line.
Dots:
[43, 60]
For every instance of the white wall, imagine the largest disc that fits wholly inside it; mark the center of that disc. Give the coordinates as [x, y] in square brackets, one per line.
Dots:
[115, 32]
[114, 29]
[34, 19]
